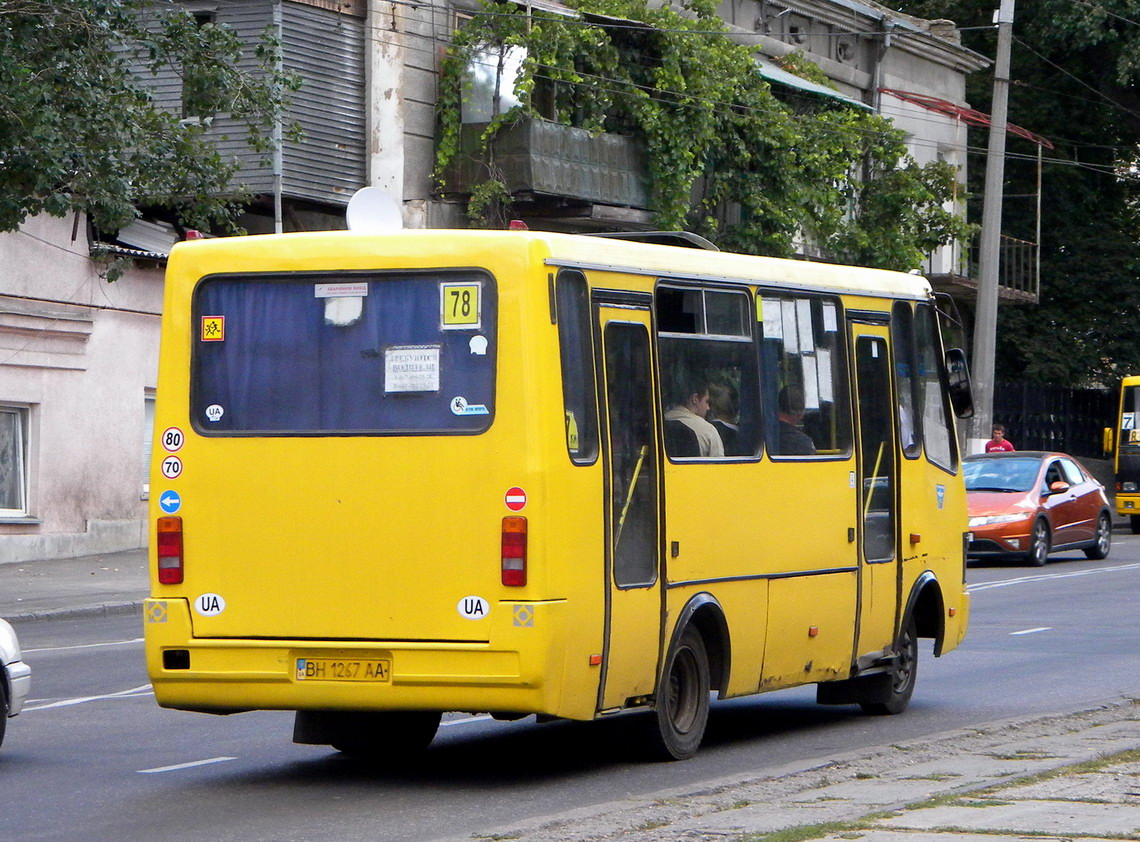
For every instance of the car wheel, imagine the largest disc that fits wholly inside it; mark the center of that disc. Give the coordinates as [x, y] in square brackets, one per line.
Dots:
[3, 705]
[1039, 544]
[901, 678]
[682, 709]
[1134, 524]
[1103, 541]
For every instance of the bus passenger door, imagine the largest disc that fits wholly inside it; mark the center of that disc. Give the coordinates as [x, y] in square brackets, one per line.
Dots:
[633, 575]
[877, 483]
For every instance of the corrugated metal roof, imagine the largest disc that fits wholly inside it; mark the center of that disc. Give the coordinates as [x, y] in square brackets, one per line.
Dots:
[777, 74]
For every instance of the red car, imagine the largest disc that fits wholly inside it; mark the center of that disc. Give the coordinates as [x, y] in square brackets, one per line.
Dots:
[1028, 503]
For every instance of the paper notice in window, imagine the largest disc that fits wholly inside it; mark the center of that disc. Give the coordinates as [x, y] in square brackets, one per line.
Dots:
[773, 319]
[411, 368]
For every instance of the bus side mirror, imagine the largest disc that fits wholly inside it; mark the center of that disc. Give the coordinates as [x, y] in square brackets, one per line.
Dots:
[958, 381]
[1106, 440]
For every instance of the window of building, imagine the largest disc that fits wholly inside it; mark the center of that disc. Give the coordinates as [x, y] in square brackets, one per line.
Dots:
[147, 440]
[804, 377]
[13, 461]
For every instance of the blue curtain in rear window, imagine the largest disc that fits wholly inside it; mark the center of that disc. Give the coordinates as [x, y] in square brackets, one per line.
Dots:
[282, 368]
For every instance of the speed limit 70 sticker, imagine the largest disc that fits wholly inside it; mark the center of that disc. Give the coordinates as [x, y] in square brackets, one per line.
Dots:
[172, 467]
[172, 439]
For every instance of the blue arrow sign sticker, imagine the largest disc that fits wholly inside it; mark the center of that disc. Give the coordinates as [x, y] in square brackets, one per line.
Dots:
[170, 502]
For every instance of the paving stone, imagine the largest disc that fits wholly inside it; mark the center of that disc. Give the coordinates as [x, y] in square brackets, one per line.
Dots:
[1038, 817]
[1093, 786]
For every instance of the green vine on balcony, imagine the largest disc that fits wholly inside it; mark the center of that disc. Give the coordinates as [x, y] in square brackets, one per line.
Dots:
[727, 157]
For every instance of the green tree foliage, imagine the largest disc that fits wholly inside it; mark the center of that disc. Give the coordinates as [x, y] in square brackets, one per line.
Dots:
[727, 157]
[1074, 72]
[78, 132]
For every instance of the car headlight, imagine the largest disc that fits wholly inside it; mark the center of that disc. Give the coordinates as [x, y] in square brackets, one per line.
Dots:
[1128, 486]
[986, 520]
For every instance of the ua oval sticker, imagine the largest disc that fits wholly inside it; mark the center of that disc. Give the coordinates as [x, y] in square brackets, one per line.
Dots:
[210, 604]
[473, 608]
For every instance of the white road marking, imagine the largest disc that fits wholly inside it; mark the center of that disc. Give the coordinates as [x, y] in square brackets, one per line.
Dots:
[190, 765]
[86, 645]
[480, 718]
[1032, 631]
[1044, 577]
[141, 690]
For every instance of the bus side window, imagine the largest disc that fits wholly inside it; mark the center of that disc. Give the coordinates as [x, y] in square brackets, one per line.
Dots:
[931, 398]
[804, 377]
[577, 356]
[708, 375]
[906, 384]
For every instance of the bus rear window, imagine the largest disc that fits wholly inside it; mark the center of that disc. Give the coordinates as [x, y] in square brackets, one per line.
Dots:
[351, 354]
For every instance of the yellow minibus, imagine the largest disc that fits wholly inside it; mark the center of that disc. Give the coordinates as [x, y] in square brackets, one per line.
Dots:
[1123, 442]
[407, 473]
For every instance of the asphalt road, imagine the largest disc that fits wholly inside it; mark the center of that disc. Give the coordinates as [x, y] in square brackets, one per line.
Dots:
[93, 757]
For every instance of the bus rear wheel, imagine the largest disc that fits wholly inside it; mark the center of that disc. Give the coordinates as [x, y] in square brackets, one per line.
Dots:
[898, 684]
[682, 709]
[372, 735]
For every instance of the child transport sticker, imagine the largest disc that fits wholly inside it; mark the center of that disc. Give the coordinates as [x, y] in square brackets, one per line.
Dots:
[213, 328]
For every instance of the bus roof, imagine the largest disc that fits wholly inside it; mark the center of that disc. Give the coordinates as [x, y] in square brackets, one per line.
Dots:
[261, 252]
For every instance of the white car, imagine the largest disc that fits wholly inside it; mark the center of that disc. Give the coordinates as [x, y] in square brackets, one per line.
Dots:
[15, 676]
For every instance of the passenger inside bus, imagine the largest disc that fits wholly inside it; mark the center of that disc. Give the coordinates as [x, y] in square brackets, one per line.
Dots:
[793, 441]
[723, 416]
[690, 410]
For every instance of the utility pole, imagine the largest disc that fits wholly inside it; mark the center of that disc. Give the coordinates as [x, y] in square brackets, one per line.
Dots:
[985, 321]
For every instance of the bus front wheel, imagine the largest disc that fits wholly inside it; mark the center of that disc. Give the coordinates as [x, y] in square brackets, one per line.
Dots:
[1134, 524]
[682, 709]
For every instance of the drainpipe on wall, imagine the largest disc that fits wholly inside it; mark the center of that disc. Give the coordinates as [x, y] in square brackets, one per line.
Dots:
[278, 155]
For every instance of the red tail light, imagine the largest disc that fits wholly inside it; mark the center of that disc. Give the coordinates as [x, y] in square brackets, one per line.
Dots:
[169, 543]
[514, 551]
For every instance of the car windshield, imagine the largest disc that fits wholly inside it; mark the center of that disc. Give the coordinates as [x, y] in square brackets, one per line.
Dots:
[1001, 474]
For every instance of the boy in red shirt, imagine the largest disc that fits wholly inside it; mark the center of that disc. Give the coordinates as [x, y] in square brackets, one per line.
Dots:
[999, 442]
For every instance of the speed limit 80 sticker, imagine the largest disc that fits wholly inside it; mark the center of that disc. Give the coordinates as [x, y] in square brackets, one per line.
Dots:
[172, 439]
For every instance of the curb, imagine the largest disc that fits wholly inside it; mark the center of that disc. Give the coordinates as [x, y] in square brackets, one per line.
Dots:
[106, 609]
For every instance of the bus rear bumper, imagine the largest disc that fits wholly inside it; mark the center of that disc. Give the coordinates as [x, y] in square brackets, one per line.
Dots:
[230, 675]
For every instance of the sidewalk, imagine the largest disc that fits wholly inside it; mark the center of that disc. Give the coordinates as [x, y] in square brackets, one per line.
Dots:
[1074, 775]
[74, 587]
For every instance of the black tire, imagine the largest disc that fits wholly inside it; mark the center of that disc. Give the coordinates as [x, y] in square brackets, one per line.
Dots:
[1134, 524]
[682, 708]
[385, 735]
[898, 684]
[1039, 544]
[1102, 543]
[3, 705]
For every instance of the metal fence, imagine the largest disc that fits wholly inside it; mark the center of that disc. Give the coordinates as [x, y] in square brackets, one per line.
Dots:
[1054, 417]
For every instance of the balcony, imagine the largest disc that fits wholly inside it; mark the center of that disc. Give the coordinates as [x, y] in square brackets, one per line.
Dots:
[953, 269]
[565, 176]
